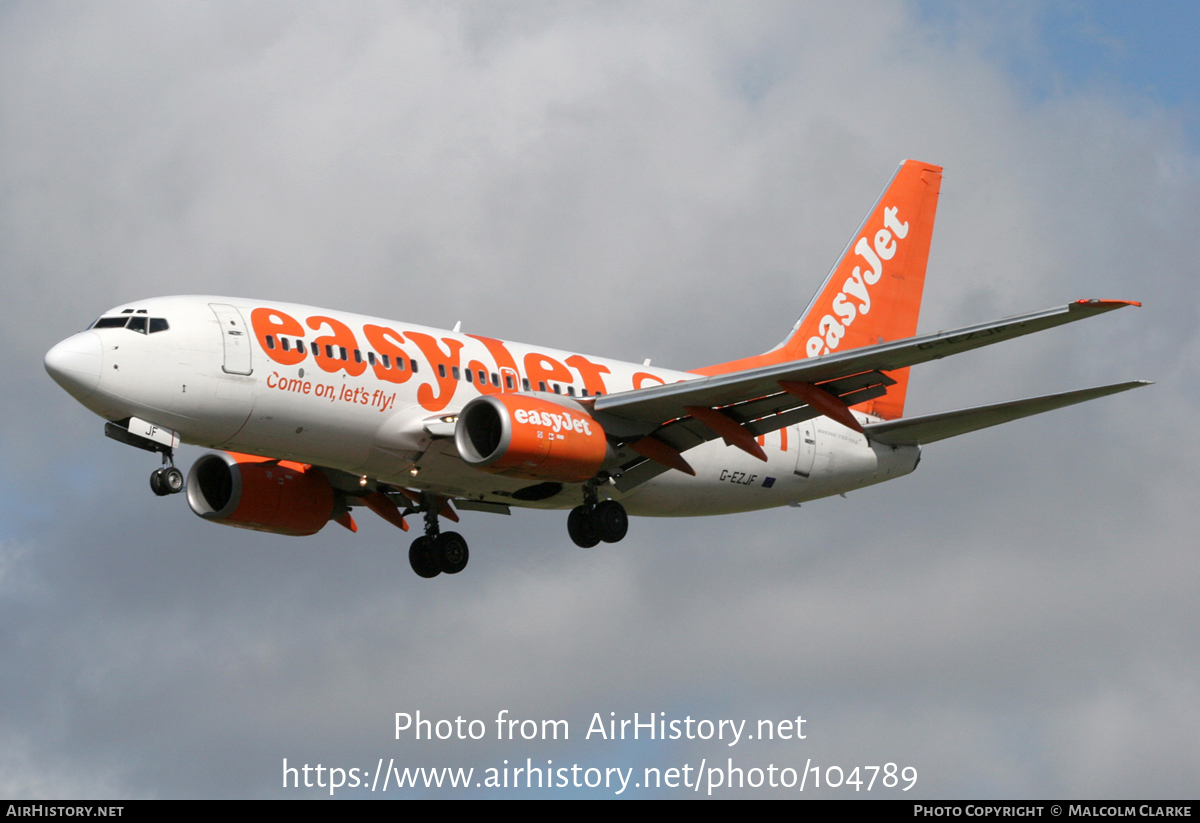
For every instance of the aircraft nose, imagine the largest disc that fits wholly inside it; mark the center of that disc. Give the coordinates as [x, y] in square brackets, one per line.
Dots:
[75, 364]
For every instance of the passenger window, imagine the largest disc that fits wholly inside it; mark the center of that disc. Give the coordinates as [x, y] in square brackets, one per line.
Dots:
[342, 352]
[137, 324]
[387, 362]
[584, 393]
[441, 369]
[508, 381]
[371, 358]
[328, 350]
[541, 385]
[470, 379]
[525, 384]
[283, 341]
[413, 364]
[454, 371]
[496, 380]
[358, 356]
[158, 324]
[482, 377]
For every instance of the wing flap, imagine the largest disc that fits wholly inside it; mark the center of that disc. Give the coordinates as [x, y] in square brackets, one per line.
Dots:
[758, 417]
[930, 428]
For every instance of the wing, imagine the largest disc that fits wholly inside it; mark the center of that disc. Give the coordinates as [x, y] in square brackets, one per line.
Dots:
[660, 422]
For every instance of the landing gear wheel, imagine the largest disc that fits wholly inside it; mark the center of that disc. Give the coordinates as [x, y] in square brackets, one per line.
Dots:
[611, 521]
[172, 480]
[167, 480]
[158, 482]
[450, 552]
[421, 558]
[581, 525]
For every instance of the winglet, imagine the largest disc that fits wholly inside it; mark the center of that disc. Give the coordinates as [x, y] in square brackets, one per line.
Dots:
[1114, 303]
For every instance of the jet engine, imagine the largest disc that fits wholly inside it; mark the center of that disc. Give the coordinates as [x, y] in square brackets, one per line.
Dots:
[260, 493]
[517, 435]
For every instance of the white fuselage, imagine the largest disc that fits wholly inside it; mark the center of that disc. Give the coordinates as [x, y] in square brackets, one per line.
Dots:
[214, 378]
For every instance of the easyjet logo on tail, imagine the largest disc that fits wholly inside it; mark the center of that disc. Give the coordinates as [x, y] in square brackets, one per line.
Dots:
[891, 250]
[854, 299]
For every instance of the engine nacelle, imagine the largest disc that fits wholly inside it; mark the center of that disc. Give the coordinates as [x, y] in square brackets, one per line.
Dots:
[260, 493]
[517, 435]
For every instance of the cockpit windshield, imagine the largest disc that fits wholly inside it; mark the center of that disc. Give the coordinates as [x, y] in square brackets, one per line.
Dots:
[137, 323]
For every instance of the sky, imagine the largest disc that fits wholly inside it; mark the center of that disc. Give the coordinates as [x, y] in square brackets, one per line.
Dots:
[665, 180]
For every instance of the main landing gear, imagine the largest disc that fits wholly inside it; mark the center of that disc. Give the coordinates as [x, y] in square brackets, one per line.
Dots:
[436, 551]
[592, 522]
[168, 479]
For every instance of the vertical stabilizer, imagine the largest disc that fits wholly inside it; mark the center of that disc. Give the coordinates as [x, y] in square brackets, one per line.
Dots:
[873, 294]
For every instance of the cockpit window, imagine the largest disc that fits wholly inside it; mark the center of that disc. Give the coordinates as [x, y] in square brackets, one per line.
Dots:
[158, 324]
[110, 322]
[137, 324]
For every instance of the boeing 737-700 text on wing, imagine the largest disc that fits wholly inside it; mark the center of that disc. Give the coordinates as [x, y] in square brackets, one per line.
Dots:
[318, 412]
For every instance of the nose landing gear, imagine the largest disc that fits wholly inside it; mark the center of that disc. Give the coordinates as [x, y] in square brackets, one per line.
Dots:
[436, 551]
[168, 479]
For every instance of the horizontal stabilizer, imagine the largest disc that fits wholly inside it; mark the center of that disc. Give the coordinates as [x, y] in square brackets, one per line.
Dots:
[930, 428]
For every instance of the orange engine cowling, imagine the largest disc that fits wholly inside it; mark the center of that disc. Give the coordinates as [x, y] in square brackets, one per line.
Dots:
[516, 435]
[260, 493]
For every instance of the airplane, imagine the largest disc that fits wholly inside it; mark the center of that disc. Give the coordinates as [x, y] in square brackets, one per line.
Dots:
[316, 413]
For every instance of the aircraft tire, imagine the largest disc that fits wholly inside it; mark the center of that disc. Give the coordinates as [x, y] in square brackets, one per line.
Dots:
[611, 521]
[421, 558]
[450, 552]
[172, 480]
[158, 483]
[582, 527]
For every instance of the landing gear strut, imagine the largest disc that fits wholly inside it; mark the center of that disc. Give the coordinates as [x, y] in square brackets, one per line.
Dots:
[436, 551]
[592, 522]
[168, 479]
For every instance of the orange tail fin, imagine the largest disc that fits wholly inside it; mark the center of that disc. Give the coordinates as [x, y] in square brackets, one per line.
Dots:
[873, 294]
